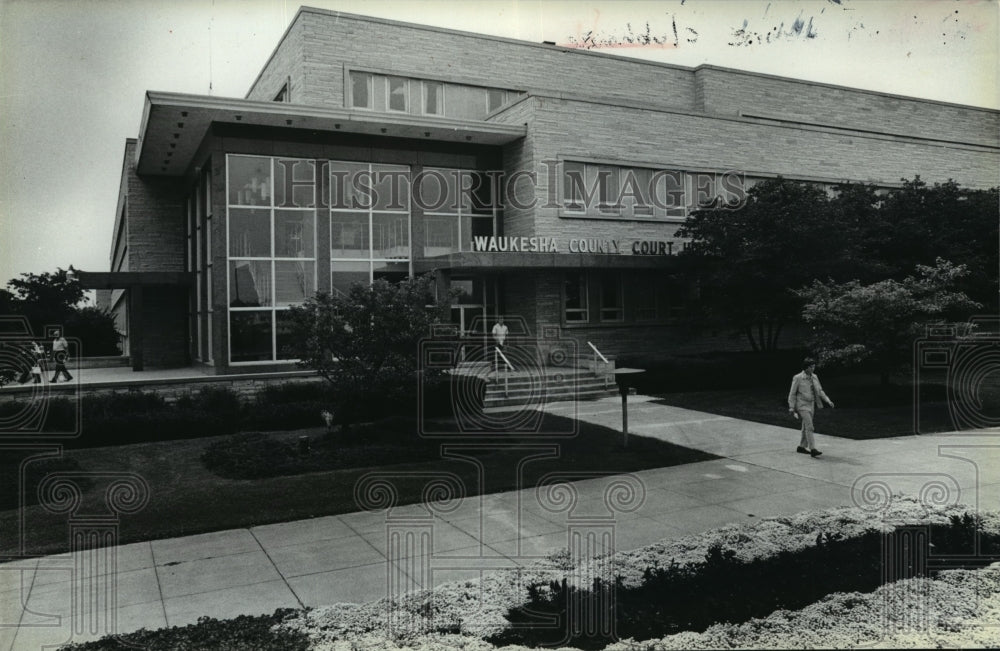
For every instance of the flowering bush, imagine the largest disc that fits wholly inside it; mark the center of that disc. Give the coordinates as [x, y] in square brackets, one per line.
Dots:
[461, 614]
[959, 609]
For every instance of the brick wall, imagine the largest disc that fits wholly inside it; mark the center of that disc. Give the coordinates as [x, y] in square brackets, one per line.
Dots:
[332, 40]
[286, 65]
[615, 134]
[320, 45]
[156, 233]
[729, 92]
[517, 156]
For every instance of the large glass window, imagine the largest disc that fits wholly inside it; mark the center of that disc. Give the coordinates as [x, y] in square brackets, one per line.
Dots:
[575, 298]
[272, 250]
[369, 223]
[458, 207]
[251, 336]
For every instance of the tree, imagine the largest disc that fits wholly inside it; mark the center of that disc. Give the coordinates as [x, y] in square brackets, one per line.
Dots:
[878, 322]
[46, 298]
[57, 299]
[366, 343]
[95, 328]
[749, 261]
[917, 223]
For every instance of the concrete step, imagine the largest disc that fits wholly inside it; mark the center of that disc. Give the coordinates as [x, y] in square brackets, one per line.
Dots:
[515, 400]
[552, 385]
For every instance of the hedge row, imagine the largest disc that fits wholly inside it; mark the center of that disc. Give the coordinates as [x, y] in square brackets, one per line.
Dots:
[723, 588]
[244, 633]
[138, 417]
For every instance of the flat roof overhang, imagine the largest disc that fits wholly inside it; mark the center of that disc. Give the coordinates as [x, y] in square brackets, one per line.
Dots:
[475, 261]
[175, 124]
[129, 279]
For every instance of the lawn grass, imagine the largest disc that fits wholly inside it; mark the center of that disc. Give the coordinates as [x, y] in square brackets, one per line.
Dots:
[186, 498]
[864, 408]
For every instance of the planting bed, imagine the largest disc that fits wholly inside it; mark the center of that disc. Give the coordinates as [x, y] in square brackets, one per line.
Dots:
[477, 614]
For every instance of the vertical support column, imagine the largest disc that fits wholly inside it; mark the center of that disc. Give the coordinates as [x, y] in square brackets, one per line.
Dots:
[417, 231]
[136, 326]
[323, 264]
[220, 260]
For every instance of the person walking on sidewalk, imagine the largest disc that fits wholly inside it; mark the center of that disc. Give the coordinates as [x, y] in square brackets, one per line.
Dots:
[60, 351]
[805, 396]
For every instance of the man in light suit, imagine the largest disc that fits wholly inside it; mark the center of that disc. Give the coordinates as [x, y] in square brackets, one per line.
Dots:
[805, 396]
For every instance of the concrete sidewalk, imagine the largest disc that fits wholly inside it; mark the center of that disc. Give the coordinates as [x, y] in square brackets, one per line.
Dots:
[352, 557]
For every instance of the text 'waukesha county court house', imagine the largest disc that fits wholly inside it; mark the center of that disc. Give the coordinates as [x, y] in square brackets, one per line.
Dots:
[369, 148]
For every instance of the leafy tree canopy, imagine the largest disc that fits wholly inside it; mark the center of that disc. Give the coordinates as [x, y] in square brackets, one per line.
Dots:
[750, 261]
[853, 322]
[366, 343]
[56, 298]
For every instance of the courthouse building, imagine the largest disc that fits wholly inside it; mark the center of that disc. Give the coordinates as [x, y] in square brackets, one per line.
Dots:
[545, 183]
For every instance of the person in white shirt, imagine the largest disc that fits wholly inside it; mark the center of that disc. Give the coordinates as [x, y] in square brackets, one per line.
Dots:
[499, 331]
[805, 396]
[60, 351]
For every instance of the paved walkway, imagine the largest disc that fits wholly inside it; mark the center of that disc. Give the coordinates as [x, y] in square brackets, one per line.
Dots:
[346, 557]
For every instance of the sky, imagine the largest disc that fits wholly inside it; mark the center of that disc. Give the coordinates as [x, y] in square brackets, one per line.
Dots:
[74, 73]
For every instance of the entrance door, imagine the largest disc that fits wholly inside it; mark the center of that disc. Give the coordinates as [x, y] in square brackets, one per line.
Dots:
[468, 315]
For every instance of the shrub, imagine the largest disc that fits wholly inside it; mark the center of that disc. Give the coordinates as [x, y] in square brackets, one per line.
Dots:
[244, 633]
[119, 403]
[215, 400]
[290, 392]
[692, 597]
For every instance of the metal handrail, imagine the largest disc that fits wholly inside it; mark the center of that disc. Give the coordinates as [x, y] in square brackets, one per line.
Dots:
[504, 358]
[506, 373]
[597, 353]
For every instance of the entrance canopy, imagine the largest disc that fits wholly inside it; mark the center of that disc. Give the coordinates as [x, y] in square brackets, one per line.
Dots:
[130, 279]
[134, 282]
[492, 261]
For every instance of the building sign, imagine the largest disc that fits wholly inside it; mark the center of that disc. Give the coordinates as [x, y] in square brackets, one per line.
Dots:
[506, 244]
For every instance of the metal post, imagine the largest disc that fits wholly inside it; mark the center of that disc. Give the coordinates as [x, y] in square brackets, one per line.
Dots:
[624, 391]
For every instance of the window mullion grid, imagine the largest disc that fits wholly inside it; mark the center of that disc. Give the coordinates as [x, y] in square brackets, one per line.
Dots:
[274, 277]
[371, 228]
